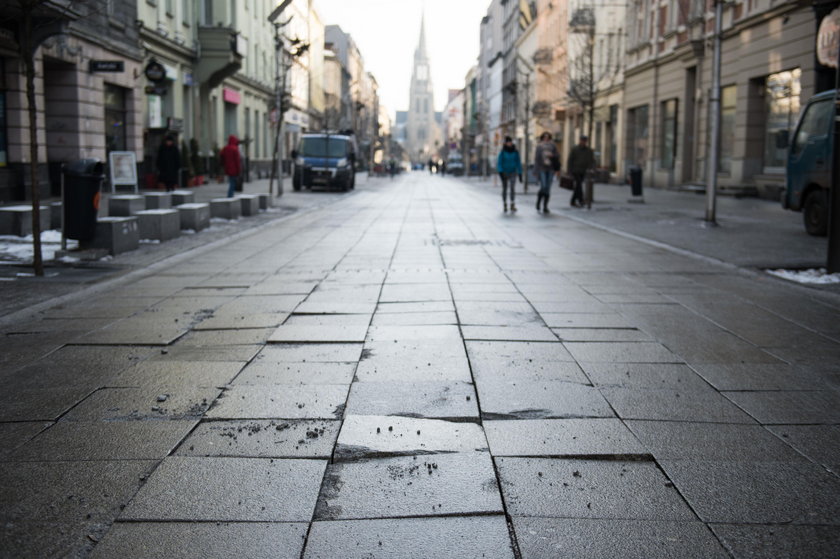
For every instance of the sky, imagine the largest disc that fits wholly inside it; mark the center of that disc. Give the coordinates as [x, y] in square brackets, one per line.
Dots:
[387, 32]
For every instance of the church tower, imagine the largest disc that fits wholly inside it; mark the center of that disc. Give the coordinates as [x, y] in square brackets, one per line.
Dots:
[422, 134]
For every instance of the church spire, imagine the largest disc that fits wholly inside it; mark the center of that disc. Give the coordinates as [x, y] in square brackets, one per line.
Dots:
[421, 44]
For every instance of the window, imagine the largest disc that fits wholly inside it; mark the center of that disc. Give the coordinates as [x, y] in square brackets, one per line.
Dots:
[425, 106]
[115, 114]
[170, 8]
[207, 12]
[781, 96]
[727, 128]
[668, 137]
[816, 124]
[186, 16]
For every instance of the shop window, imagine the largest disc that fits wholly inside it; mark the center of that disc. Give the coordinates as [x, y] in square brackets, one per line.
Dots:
[115, 118]
[668, 134]
[727, 128]
[781, 95]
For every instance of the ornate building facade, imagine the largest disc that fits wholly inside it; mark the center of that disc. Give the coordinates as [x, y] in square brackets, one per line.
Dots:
[422, 132]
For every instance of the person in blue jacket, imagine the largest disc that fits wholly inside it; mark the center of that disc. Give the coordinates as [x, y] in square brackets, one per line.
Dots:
[509, 167]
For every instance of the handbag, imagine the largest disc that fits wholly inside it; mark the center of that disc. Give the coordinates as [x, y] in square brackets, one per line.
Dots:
[567, 182]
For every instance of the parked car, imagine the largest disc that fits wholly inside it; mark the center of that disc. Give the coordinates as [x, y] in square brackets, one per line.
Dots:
[809, 163]
[455, 165]
[325, 159]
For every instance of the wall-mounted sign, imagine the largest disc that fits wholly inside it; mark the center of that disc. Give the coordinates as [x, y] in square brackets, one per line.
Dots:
[231, 96]
[175, 124]
[155, 71]
[155, 111]
[828, 39]
[106, 66]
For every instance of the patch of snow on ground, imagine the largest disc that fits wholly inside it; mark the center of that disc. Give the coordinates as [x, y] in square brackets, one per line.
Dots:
[813, 276]
[19, 249]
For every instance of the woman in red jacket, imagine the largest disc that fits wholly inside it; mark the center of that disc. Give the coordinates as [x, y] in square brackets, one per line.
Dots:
[232, 163]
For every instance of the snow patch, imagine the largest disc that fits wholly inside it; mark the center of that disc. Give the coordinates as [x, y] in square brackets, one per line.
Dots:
[813, 276]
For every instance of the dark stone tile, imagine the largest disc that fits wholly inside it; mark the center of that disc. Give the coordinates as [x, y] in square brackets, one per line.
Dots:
[465, 537]
[267, 373]
[319, 401]
[110, 404]
[585, 320]
[757, 492]
[561, 488]
[221, 338]
[580, 538]
[50, 539]
[304, 438]
[758, 376]
[229, 489]
[779, 542]
[309, 353]
[231, 353]
[644, 375]
[45, 404]
[696, 405]
[820, 443]
[561, 437]
[443, 484]
[621, 352]
[601, 335]
[177, 373]
[790, 407]
[13, 435]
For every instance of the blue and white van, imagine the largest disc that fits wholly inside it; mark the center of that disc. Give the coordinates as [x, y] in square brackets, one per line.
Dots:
[325, 159]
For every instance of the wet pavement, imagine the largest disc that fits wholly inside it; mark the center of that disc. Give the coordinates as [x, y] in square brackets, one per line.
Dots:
[405, 371]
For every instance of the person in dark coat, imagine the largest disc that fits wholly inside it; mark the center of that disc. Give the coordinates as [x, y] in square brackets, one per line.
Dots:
[581, 160]
[168, 163]
[547, 164]
[509, 166]
[232, 163]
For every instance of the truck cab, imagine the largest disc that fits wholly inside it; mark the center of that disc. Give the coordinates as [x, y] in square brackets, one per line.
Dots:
[809, 163]
[325, 159]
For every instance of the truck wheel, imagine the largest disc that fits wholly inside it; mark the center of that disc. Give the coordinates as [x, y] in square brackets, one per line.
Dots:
[297, 182]
[815, 213]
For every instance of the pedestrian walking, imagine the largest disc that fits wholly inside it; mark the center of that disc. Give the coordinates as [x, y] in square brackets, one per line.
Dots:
[509, 166]
[232, 163]
[581, 160]
[168, 163]
[431, 166]
[547, 164]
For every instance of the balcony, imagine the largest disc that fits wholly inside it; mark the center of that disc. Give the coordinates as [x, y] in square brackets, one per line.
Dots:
[222, 52]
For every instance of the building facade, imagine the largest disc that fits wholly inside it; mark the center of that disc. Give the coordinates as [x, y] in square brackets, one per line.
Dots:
[422, 133]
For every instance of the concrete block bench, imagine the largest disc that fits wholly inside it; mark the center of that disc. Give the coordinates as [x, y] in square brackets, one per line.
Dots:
[125, 205]
[159, 225]
[158, 200]
[182, 197]
[55, 215]
[194, 216]
[250, 204]
[17, 220]
[116, 234]
[226, 208]
[266, 200]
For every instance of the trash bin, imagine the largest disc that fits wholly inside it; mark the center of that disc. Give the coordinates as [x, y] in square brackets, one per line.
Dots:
[636, 180]
[82, 182]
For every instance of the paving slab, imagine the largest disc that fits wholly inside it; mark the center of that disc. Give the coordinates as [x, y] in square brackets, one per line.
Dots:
[263, 373]
[415, 292]
[561, 488]
[495, 317]
[370, 435]
[509, 333]
[543, 351]
[787, 407]
[177, 373]
[148, 332]
[698, 405]
[13, 435]
[229, 489]
[323, 401]
[583, 538]
[335, 307]
[105, 440]
[42, 404]
[305, 438]
[86, 491]
[711, 441]
[113, 404]
[540, 400]
[442, 400]
[420, 307]
[758, 376]
[229, 337]
[617, 352]
[50, 539]
[644, 375]
[780, 542]
[239, 319]
[303, 353]
[820, 443]
[444, 484]
[231, 354]
[153, 540]
[414, 365]
[522, 369]
[465, 537]
[432, 318]
[601, 335]
[757, 492]
[562, 437]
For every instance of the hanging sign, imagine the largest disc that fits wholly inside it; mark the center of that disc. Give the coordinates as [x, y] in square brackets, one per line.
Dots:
[828, 39]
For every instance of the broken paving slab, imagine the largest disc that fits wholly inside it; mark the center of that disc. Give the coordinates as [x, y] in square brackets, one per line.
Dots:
[275, 438]
[306, 353]
[263, 373]
[105, 440]
[584, 538]
[432, 485]
[120, 404]
[564, 488]
[644, 375]
[370, 435]
[695, 405]
[790, 407]
[229, 489]
[441, 400]
[84, 491]
[621, 352]
[164, 540]
[177, 373]
[562, 437]
[757, 492]
[711, 441]
[322, 401]
[774, 540]
[540, 400]
[464, 537]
